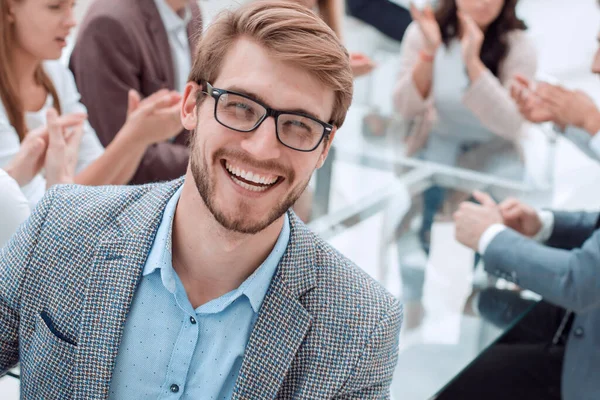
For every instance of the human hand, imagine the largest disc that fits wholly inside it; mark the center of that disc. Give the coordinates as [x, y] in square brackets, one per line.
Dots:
[472, 220]
[472, 39]
[428, 26]
[155, 118]
[63, 150]
[520, 217]
[361, 64]
[530, 106]
[28, 162]
[573, 107]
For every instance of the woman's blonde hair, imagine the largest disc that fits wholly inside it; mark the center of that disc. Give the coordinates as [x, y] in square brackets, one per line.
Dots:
[9, 93]
[290, 33]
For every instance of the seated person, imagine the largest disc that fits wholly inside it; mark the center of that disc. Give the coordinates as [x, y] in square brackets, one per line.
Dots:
[143, 45]
[31, 84]
[208, 286]
[386, 16]
[456, 69]
[54, 149]
[554, 353]
[572, 111]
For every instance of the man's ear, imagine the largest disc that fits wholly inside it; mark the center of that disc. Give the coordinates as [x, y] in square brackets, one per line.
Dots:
[189, 108]
[326, 148]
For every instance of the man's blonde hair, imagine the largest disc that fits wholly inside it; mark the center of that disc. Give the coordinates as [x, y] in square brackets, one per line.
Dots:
[291, 34]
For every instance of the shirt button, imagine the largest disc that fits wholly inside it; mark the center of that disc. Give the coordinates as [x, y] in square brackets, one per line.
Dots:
[193, 320]
[174, 388]
[578, 332]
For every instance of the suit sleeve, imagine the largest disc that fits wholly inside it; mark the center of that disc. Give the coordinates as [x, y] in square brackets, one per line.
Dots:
[572, 229]
[105, 63]
[567, 278]
[372, 376]
[14, 260]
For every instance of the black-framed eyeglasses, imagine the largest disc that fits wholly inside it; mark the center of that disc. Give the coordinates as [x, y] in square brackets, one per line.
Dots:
[242, 113]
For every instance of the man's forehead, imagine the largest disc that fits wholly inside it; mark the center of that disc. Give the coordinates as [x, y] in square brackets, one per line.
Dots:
[250, 69]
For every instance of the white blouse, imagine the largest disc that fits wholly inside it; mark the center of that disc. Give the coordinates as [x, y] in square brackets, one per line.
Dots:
[90, 148]
[14, 206]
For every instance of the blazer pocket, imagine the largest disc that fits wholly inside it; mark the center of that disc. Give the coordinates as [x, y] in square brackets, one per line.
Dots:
[46, 367]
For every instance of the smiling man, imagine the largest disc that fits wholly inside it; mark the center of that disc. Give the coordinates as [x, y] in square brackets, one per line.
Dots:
[208, 286]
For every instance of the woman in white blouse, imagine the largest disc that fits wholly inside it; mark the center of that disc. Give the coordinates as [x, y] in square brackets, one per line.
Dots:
[55, 152]
[457, 65]
[33, 34]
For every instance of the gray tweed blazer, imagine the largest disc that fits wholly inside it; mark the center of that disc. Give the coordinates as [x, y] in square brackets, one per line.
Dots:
[68, 276]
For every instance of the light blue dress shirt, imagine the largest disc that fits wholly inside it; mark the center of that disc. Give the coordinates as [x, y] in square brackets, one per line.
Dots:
[171, 351]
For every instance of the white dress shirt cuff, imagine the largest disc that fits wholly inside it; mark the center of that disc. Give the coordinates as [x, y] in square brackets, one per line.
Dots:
[547, 219]
[595, 144]
[489, 235]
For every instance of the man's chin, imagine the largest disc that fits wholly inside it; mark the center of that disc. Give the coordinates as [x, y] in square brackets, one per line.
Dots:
[244, 225]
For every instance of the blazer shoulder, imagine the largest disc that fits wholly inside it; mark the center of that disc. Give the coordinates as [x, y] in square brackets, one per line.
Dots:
[343, 281]
[94, 206]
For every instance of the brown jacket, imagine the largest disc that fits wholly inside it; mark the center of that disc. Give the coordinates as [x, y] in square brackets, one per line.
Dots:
[123, 44]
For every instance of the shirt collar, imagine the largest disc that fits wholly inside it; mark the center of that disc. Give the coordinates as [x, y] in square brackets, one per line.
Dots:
[170, 19]
[254, 288]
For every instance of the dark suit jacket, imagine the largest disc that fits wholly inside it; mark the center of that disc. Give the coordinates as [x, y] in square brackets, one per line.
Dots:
[386, 16]
[123, 44]
[565, 272]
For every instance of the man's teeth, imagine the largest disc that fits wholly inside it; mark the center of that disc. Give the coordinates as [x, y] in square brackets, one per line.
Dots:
[250, 176]
[248, 186]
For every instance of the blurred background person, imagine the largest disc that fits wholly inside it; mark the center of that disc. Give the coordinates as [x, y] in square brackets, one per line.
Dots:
[573, 112]
[143, 45]
[34, 32]
[456, 67]
[553, 353]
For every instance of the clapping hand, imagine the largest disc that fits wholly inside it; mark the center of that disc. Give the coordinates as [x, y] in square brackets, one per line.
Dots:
[155, 118]
[572, 107]
[429, 28]
[472, 39]
[472, 220]
[520, 217]
[30, 159]
[530, 105]
[63, 150]
[360, 64]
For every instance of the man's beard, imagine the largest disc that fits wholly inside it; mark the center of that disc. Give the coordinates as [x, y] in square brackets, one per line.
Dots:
[206, 189]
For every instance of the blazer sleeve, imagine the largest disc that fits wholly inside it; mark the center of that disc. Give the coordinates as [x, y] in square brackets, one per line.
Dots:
[489, 97]
[14, 260]
[372, 376]
[567, 278]
[408, 102]
[572, 229]
[105, 63]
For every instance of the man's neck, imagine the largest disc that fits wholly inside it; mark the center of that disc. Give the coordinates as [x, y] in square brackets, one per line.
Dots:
[178, 6]
[209, 259]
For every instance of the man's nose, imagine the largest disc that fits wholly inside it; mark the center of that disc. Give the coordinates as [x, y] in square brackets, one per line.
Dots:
[262, 143]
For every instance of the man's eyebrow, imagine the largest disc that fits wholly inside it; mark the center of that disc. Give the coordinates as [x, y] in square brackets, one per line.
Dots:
[260, 99]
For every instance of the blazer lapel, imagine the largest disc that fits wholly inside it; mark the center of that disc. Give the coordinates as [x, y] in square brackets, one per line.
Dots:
[118, 262]
[158, 35]
[282, 322]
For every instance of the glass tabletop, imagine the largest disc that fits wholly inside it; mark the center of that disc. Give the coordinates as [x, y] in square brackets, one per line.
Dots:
[373, 204]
